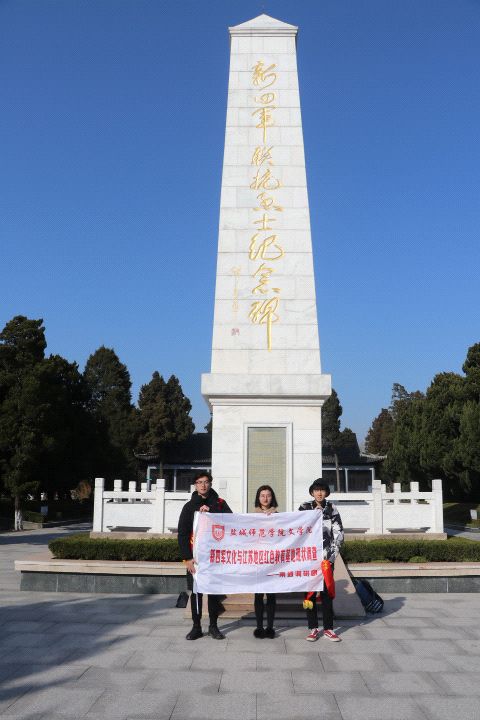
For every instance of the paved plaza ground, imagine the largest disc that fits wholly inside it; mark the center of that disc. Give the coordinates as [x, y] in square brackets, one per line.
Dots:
[125, 656]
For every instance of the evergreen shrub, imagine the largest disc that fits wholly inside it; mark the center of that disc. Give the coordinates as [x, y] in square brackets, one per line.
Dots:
[451, 550]
[83, 547]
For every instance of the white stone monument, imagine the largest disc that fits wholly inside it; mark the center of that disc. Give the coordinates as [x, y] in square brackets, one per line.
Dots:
[265, 388]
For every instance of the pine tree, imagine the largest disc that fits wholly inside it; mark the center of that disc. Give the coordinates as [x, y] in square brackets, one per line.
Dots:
[68, 428]
[22, 345]
[153, 419]
[348, 441]
[22, 349]
[331, 436]
[380, 435]
[45, 429]
[181, 424]
[442, 409]
[403, 460]
[401, 396]
[109, 388]
[163, 415]
[331, 413]
[471, 368]
[467, 450]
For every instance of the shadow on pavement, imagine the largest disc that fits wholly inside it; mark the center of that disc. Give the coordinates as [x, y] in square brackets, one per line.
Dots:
[53, 641]
[41, 537]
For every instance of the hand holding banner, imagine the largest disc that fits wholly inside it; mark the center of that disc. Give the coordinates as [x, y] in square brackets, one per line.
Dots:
[258, 553]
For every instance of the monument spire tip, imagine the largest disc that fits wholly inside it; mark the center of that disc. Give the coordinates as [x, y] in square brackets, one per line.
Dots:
[264, 25]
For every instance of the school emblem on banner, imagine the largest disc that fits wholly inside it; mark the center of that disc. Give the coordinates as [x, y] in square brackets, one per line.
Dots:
[218, 532]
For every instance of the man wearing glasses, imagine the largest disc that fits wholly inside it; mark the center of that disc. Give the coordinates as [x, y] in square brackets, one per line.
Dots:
[204, 499]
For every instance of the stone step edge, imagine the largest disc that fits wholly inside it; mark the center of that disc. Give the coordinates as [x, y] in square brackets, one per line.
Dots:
[121, 567]
[432, 569]
[349, 535]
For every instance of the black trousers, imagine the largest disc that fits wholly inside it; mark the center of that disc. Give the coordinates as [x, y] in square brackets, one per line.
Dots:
[327, 608]
[196, 604]
[271, 603]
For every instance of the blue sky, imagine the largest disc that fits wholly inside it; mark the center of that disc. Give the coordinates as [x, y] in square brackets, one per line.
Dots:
[112, 126]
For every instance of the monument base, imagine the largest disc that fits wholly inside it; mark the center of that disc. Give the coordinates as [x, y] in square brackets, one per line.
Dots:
[266, 429]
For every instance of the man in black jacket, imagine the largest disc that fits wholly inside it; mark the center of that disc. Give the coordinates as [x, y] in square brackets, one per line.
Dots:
[204, 499]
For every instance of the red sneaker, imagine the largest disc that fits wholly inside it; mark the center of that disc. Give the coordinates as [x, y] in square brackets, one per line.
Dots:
[313, 635]
[330, 635]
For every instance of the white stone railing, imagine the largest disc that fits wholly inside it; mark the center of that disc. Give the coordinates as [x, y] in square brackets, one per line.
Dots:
[374, 513]
[154, 510]
[380, 512]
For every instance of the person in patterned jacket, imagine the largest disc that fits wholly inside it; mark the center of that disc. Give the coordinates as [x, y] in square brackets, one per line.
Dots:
[332, 542]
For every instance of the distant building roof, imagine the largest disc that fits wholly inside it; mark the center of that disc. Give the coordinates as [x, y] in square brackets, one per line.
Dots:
[197, 450]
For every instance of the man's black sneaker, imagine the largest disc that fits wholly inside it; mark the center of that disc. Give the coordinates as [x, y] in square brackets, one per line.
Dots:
[195, 633]
[270, 633]
[215, 633]
[259, 633]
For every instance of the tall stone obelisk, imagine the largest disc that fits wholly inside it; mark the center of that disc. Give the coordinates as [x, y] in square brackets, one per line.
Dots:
[265, 387]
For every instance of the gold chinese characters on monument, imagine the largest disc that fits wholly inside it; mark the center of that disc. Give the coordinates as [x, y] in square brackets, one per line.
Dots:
[265, 250]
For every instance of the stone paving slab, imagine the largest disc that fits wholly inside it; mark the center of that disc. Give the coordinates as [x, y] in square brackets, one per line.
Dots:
[432, 648]
[298, 706]
[444, 708]
[70, 702]
[273, 682]
[40, 655]
[216, 706]
[203, 680]
[115, 657]
[313, 683]
[298, 661]
[464, 663]
[165, 659]
[127, 679]
[419, 663]
[406, 683]
[345, 661]
[35, 677]
[143, 704]
[465, 684]
[360, 707]
[229, 662]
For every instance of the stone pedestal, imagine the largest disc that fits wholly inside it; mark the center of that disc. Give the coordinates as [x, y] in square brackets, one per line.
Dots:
[265, 388]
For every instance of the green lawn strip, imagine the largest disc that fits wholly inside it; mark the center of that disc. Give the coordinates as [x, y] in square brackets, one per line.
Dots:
[82, 547]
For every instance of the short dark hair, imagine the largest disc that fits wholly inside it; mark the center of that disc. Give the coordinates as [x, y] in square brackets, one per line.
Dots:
[203, 473]
[319, 484]
[257, 496]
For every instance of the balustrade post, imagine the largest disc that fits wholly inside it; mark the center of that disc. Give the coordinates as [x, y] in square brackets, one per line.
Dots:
[98, 505]
[159, 507]
[132, 487]
[376, 527]
[437, 507]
